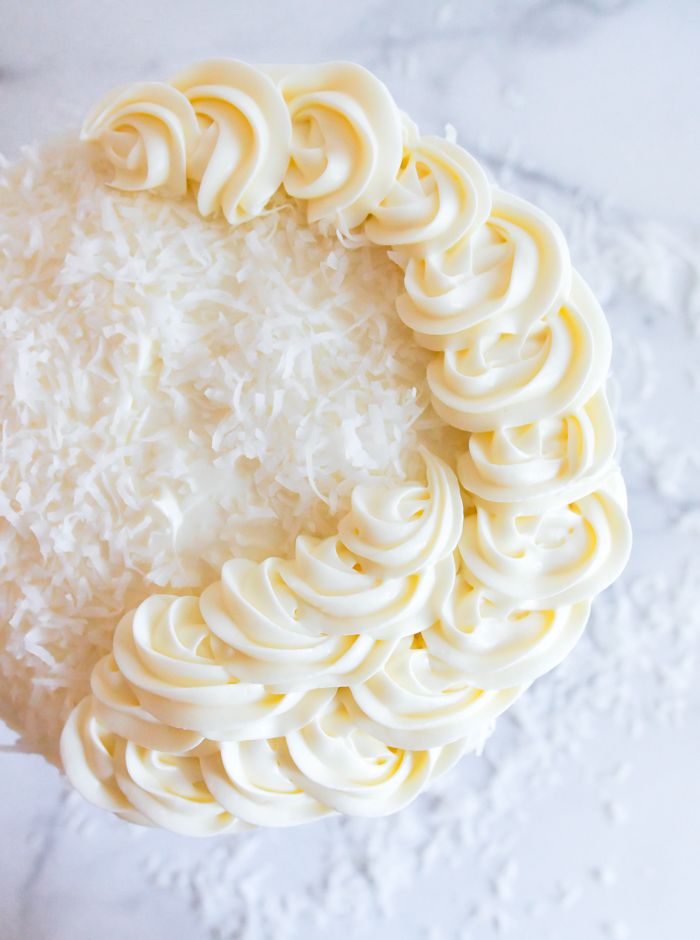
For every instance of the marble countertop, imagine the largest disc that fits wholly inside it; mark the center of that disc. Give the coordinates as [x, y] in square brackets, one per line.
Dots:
[582, 819]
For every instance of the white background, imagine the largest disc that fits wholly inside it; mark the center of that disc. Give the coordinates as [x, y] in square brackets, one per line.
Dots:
[582, 820]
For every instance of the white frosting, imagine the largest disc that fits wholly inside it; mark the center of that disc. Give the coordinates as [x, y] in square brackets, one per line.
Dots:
[349, 770]
[165, 651]
[496, 649]
[144, 786]
[169, 791]
[148, 131]
[401, 530]
[561, 556]
[505, 379]
[512, 270]
[346, 678]
[87, 755]
[256, 614]
[533, 465]
[346, 145]
[330, 764]
[441, 194]
[117, 709]
[337, 596]
[248, 779]
[419, 701]
[245, 133]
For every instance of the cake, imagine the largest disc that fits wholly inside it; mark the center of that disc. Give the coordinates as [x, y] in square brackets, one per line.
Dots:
[308, 465]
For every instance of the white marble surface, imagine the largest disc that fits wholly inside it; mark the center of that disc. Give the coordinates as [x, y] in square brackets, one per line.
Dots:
[582, 820]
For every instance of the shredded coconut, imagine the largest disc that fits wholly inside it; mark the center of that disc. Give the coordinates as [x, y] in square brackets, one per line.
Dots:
[174, 392]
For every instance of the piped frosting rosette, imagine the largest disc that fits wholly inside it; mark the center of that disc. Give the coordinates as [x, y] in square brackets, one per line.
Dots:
[140, 784]
[345, 678]
[243, 145]
[494, 649]
[511, 269]
[560, 556]
[330, 765]
[172, 661]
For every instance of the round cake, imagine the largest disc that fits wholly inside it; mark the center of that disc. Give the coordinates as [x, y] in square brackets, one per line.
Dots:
[308, 466]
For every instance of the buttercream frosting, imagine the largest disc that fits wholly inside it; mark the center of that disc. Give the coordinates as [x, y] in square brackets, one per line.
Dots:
[244, 139]
[504, 379]
[440, 195]
[164, 650]
[148, 131]
[550, 460]
[496, 649]
[399, 531]
[346, 140]
[418, 700]
[514, 268]
[557, 557]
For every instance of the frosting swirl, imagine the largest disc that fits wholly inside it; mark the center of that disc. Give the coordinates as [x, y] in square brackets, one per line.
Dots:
[169, 791]
[339, 597]
[87, 756]
[561, 556]
[346, 140]
[172, 661]
[248, 780]
[349, 770]
[554, 459]
[502, 380]
[243, 146]
[507, 274]
[254, 611]
[441, 195]
[147, 131]
[117, 709]
[402, 529]
[493, 649]
[417, 701]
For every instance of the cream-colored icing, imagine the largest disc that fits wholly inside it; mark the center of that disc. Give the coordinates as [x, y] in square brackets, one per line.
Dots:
[248, 779]
[514, 268]
[337, 596]
[495, 649]
[255, 614]
[550, 460]
[148, 132]
[87, 754]
[244, 140]
[417, 700]
[117, 708]
[505, 379]
[399, 531]
[441, 195]
[329, 765]
[346, 140]
[351, 771]
[169, 790]
[561, 556]
[165, 651]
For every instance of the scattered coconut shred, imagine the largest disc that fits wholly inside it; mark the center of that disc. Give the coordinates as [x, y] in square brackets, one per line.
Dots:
[173, 392]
